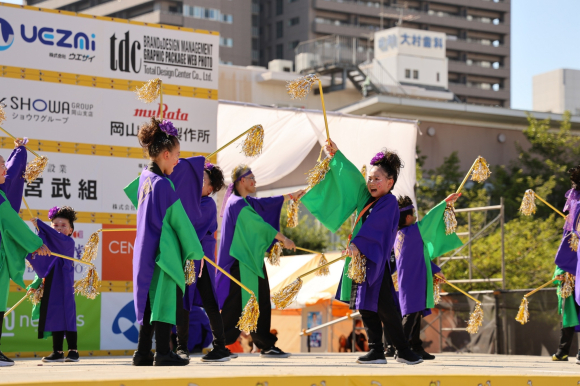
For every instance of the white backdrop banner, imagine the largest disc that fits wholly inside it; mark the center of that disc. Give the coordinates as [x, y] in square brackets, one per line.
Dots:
[290, 135]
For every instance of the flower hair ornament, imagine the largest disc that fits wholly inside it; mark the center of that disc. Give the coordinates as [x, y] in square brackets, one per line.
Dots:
[168, 128]
[379, 156]
[53, 212]
[208, 165]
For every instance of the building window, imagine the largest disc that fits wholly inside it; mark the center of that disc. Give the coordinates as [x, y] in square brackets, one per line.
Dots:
[280, 51]
[415, 74]
[279, 7]
[294, 21]
[293, 45]
[437, 77]
[207, 13]
[226, 42]
[292, 1]
[408, 74]
[279, 29]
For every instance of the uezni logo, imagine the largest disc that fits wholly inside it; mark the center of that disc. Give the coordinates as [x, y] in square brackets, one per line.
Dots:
[6, 35]
[124, 54]
[60, 37]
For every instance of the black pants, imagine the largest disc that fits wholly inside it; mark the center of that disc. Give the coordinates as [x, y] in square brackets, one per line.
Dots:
[387, 315]
[162, 330]
[1, 323]
[232, 310]
[212, 310]
[412, 328]
[58, 340]
[566, 337]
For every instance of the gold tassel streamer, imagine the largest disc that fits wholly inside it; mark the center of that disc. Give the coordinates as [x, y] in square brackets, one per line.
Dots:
[481, 170]
[28, 265]
[35, 168]
[89, 285]
[528, 206]
[322, 271]
[299, 88]
[275, 253]
[286, 295]
[437, 289]
[450, 220]
[357, 269]
[254, 142]
[318, 173]
[523, 315]
[189, 272]
[395, 277]
[249, 319]
[36, 296]
[573, 242]
[2, 114]
[292, 213]
[149, 91]
[567, 287]
[475, 319]
[364, 171]
[91, 248]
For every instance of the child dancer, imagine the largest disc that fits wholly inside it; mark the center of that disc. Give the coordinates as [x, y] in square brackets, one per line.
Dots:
[56, 312]
[16, 238]
[417, 243]
[333, 201]
[165, 240]
[189, 176]
[249, 228]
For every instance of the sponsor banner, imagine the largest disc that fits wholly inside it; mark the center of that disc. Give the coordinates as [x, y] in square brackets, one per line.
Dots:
[61, 112]
[117, 253]
[106, 48]
[119, 327]
[20, 333]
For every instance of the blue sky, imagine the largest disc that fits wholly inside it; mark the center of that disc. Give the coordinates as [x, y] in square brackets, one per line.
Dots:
[544, 37]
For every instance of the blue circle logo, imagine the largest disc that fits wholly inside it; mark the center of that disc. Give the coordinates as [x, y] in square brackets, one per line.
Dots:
[6, 35]
[124, 322]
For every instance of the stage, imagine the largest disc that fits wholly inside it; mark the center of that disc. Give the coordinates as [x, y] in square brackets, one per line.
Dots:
[301, 369]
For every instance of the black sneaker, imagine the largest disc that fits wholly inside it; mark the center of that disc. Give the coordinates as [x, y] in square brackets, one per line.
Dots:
[274, 352]
[5, 361]
[560, 357]
[184, 354]
[140, 359]
[169, 359]
[232, 354]
[408, 357]
[218, 354]
[54, 357]
[73, 356]
[424, 354]
[373, 357]
[390, 352]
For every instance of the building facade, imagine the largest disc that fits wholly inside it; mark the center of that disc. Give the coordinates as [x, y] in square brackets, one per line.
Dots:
[557, 91]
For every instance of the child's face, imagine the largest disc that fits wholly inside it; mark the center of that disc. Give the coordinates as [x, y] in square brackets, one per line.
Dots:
[411, 219]
[207, 188]
[378, 182]
[61, 225]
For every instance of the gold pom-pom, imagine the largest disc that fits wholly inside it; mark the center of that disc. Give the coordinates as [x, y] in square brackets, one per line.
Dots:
[364, 171]
[528, 206]
[357, 269]
[573, 242]
[437, 289]
[254, 142]
[322, 271]
[286, 295]
[523, 315]
[450, 220]
[299, 88]
[395, 278]
[89, 285]
[2, 114]
[249, 320]
[292, 213]
[35, 168]
[567, 288]
[481, 170]
[317, 174]
[189, 272]
[275, 253]
[475, 319]
[36, 296]
[91, 248]
[149, 91]
[28, 265]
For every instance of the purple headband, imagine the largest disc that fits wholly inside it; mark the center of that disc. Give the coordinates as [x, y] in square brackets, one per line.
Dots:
[53, 212]
[406, 208]
[230, 191]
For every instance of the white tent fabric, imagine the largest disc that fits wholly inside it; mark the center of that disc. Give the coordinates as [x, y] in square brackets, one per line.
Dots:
[290, 135]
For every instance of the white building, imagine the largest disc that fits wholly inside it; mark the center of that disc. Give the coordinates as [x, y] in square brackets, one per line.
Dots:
[557, 91]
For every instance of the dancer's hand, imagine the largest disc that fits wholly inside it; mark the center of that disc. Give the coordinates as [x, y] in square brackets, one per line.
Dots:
[297, 195]
[289, 244]
[19, 142]
[43, 251]
[351, 250]
[561, 277]
[440, 274]
[34, 221]
[330, 148]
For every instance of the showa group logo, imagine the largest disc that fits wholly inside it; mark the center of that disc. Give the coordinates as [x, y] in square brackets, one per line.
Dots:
[48, 36]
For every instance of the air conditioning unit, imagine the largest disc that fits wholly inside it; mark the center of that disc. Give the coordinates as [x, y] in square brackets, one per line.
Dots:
[280, 65]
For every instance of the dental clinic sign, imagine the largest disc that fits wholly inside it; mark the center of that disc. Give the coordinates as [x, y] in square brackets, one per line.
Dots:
[106, 47]
[408, 41]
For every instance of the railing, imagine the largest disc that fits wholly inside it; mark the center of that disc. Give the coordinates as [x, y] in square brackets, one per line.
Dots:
[336, 49]
[380, 77]
[490, 65]
[480, 86]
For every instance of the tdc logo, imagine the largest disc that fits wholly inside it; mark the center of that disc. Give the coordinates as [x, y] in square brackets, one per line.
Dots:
[6, 35]
[124, 322]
